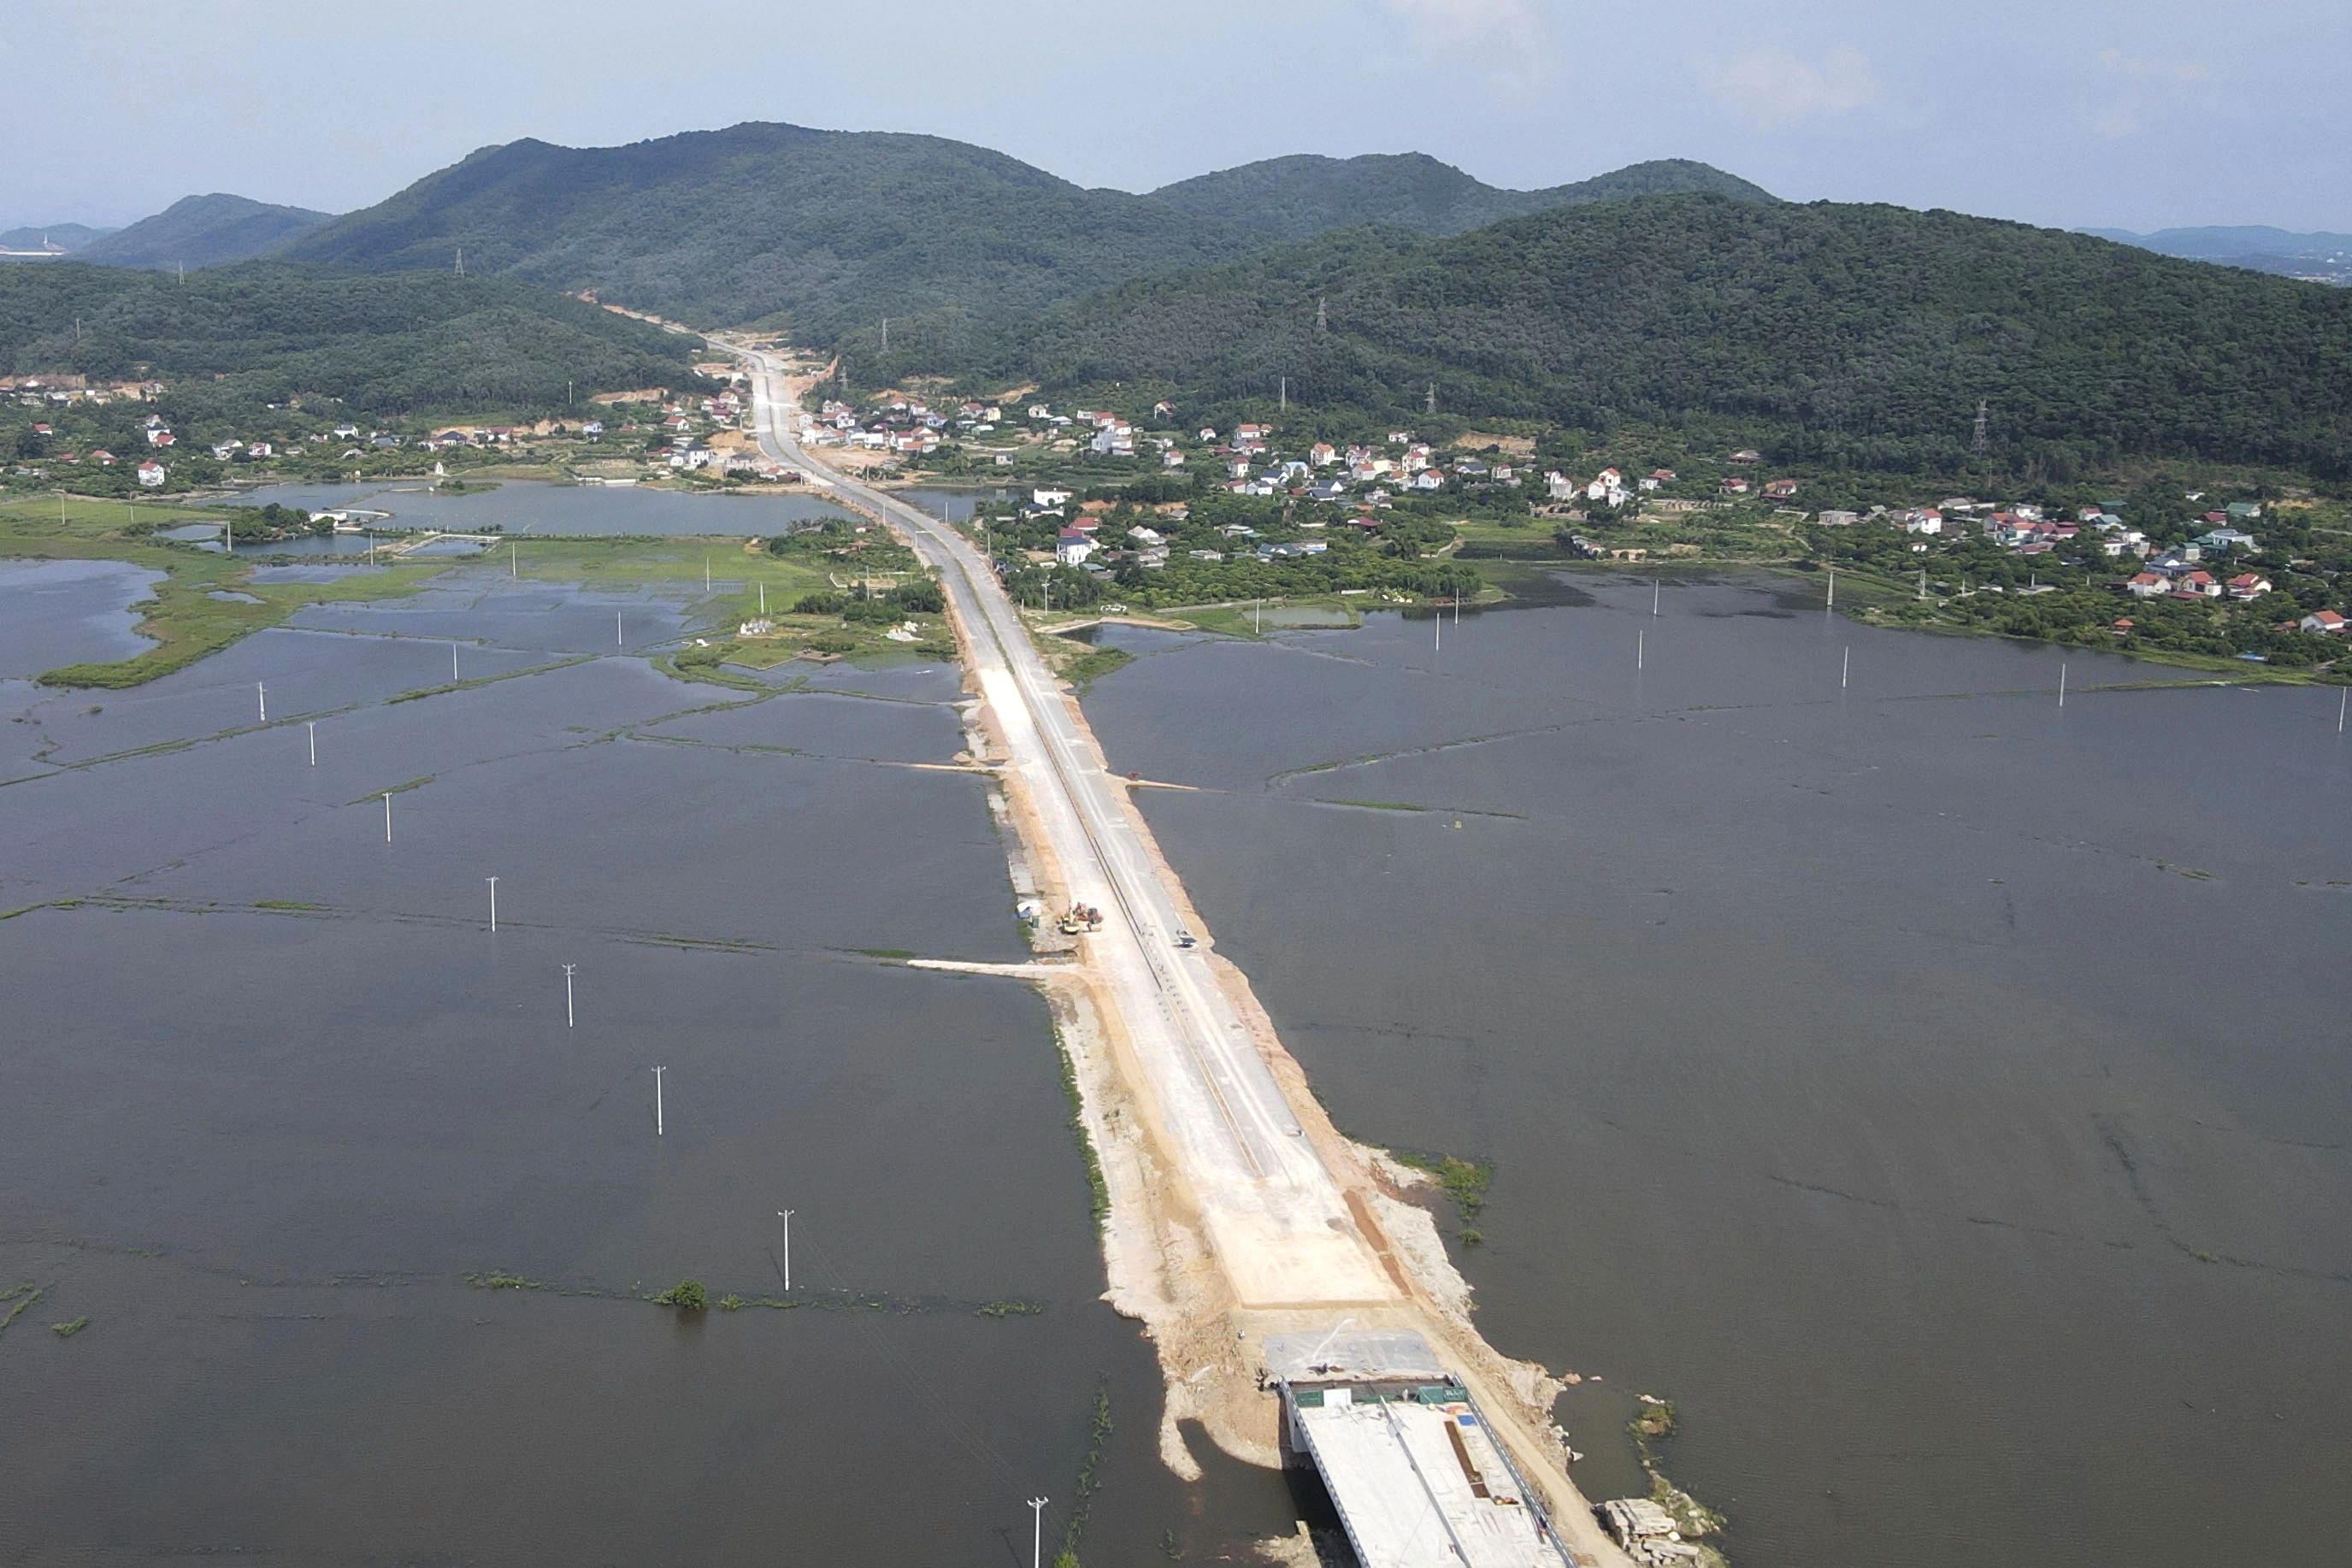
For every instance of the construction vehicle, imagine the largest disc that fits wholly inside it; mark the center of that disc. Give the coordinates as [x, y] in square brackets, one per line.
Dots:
[1081, 920]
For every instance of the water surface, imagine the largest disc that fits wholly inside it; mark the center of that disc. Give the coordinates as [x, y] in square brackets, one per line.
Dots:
[1939, 1094]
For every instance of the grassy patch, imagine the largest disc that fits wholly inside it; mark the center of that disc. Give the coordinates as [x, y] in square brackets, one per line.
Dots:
[1465, 1180]
[1085, 670]
[1375, 804]
[19, 1299]
[66, 1331]
[1009, 1310]
[288, 906]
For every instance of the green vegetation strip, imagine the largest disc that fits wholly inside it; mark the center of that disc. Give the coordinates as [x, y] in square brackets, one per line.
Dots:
[1098, 1189]
[22, 1296]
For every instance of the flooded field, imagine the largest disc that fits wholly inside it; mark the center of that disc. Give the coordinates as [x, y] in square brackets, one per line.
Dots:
[1941, 1095]
[356, 1218]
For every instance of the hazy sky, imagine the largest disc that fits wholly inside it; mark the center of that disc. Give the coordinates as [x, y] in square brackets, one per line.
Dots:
[2131, 113]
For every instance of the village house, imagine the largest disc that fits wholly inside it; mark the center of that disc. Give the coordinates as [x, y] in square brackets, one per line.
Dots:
[2322, 621]
[1780, 490]
[150, 474]
[2246, 586]
[2147, 584]
[1072, 547]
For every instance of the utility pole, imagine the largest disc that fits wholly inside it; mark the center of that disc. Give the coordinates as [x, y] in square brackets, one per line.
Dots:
[514, 561]
[1845, 669]
[1657, 587]
[616, 629]
[261, 695]
[1833, 600]
[493, 881]
[568, 1019]
[786, 1215]
[453, 664]
[2061, 686]
[387, 817]
[1037, 1531]
[658, 1102]
[313, 728]
[1640, 650]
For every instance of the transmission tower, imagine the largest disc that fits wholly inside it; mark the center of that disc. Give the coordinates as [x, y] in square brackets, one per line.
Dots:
[1322, 315]
[1431, 400]
[885, 334]
[461, 261]
[1977, 441]
[1285, 394]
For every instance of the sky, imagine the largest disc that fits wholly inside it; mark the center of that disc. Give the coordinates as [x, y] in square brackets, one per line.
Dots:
[2135, 114]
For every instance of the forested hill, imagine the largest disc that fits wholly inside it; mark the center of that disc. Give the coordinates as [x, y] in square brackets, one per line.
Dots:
[1297, 197]
[1871, 331]
[817, 229]
[202, 231]
[390, 344]
[66, 237]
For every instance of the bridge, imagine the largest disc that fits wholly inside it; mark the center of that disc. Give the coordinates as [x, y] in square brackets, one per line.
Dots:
[1417, 1478]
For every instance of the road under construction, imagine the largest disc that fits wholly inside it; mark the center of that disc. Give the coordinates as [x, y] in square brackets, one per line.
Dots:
[1289, 1218]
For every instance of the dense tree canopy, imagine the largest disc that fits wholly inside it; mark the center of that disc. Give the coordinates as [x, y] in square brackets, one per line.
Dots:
[382, 344]
[1870, 332]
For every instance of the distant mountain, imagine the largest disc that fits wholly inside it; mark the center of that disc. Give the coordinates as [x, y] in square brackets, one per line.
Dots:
[827, 232]
[1869, 332]
[2323, 257]
[411, 343]
[1300, 196]
[203, 231]
[62, 238]
[813, 229]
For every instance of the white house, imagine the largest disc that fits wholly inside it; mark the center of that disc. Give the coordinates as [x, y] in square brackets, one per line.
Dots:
[150, 474]
[1049, 499]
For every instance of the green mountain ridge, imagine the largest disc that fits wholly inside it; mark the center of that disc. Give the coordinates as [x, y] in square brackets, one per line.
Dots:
[813, 229]
[202, 231]
[382, 343]
[1866, 332]
[1299, 196]
[825, 232]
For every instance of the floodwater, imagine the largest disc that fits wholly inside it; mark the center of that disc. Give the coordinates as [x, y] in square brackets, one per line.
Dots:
[282, 1108]
[70, 612]
[532, 507]
[1939, 1094]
